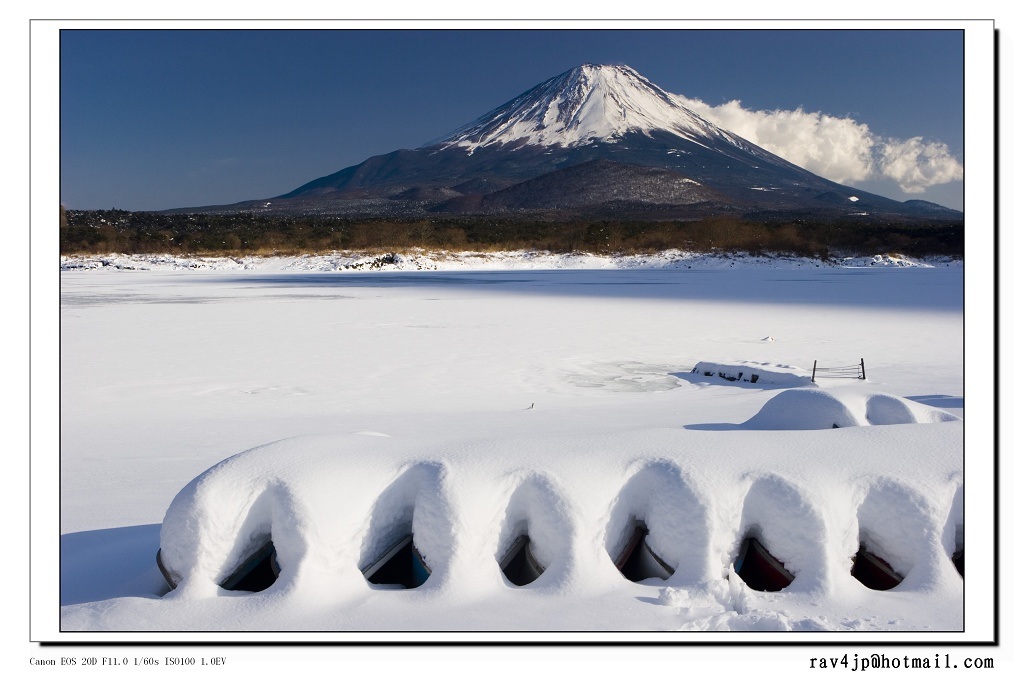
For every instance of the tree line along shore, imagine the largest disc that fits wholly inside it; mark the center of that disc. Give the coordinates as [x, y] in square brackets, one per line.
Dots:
[237, 234]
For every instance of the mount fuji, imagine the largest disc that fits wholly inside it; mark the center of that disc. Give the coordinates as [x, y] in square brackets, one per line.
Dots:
[595, 141]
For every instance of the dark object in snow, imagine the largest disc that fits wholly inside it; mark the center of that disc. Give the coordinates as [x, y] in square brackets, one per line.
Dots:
[255, 573]
[873, 572]
[958, 561]
[169, 577]
[401, 564]
[637, 561]
[730, 377]
[519, 564]
[759, 569]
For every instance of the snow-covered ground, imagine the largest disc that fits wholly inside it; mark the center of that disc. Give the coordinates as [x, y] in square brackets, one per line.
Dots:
[467, 407]
[340, 261]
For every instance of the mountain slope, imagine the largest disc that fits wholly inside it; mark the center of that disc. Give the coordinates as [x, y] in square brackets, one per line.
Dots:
[587, 114]
[594, 183]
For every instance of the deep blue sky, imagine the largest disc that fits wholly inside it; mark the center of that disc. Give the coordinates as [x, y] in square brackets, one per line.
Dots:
[155, 119]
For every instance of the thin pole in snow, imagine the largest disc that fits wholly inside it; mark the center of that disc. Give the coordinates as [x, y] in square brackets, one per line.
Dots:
[814, 370]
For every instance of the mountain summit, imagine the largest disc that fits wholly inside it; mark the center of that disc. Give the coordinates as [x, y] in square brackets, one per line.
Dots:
[597, 141]
[585, 104]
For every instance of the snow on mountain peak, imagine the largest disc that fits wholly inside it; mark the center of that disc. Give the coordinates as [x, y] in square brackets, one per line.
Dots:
[589, 102]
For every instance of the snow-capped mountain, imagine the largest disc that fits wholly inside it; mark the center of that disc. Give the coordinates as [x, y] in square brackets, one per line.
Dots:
[658, 159]
[585, 104]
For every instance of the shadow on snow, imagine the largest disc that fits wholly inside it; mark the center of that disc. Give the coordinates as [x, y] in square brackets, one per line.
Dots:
[910, 288]
[101, 564]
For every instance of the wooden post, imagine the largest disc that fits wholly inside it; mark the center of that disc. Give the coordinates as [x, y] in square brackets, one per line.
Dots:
[863, 375]
[814, 370]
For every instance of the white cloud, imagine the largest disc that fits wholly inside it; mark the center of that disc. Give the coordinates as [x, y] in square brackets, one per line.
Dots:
[840, 149]
[915, 164]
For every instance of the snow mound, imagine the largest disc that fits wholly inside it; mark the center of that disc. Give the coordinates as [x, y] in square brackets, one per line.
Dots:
[817, 409]
[537, 509]
[333, 505]
[906, 543]
[662, 496]
[896, 260]
[761, 373]
[780, 514]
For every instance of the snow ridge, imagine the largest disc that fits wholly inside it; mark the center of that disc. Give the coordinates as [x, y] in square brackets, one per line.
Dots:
[587, 103]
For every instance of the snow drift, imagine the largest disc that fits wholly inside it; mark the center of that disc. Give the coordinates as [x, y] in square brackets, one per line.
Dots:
[333, 504]
[809, 409]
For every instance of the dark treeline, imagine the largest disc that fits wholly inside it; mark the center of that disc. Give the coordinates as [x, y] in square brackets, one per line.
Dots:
[116, 231]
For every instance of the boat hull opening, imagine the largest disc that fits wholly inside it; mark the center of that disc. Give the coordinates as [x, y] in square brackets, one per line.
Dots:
[873, 571]
[637, 561]
[519, 564]
[958, 561]
[400, 565]
[760, 569]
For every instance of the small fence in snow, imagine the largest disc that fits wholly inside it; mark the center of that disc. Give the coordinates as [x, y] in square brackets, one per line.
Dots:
[851, 371]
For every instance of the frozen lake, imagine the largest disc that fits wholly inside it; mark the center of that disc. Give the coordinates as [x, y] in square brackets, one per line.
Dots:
[164, 374]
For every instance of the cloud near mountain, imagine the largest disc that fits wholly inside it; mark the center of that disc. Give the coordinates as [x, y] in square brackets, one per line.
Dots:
[840, 149]
[916, 164]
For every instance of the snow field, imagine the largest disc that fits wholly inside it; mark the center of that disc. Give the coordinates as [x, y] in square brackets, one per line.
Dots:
[416, 390]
